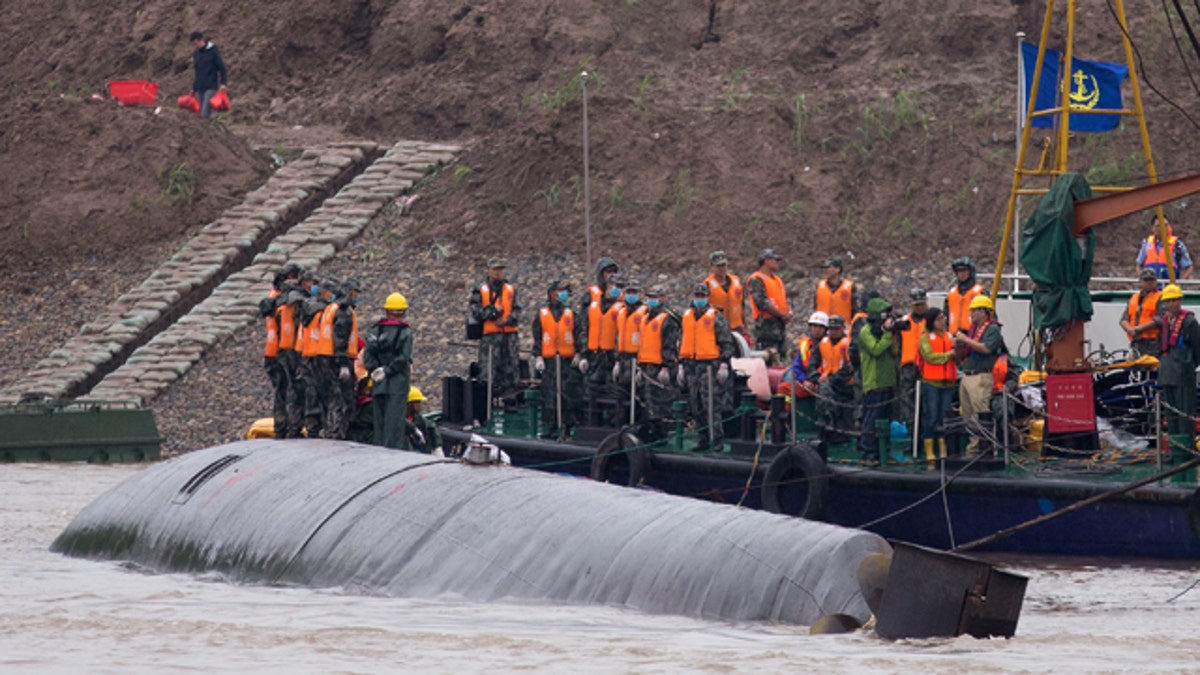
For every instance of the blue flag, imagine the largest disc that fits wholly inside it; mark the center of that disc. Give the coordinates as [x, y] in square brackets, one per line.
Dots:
[1094, 85]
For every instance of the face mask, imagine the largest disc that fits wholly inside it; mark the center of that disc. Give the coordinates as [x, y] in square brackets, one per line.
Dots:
[614, 292]
[315, 290]
[632, 298]
[652, 302]
[700, 303]
[563, 295]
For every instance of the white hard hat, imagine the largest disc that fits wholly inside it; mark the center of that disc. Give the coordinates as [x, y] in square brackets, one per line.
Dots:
[819, 318]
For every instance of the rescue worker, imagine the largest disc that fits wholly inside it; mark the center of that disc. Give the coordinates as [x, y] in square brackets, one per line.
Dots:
[705, 352]
[658, 354]
[835, 407]
[603, 329]
[807, 364]
[835, 294]
[725, 291]
[879, 349]
[289, 316]
[1179, 355]
[1143, 306]
[345, 352]
[939, 378]
[910, 343]
[422, 435]
[556, 335]
[769, 305]
[1154, 256]
[495, 304]
[979, 349]
[630, 317]
[961, 293]
[316, 370]
[388, 357]
[275, 362]
[597, 321]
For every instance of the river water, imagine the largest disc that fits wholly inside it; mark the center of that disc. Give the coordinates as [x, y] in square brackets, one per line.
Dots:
[60, 614]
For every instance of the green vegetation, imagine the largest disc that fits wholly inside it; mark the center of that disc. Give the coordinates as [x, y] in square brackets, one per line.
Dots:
[732, 98]
[800, 109]
[847, 227]
[884, 121]
[570, 88]
[178, 182]
[962, 199]
[683, 191]
[550, 195]
[639, 101]
[619, 200]
[439, 251]
[461, 173]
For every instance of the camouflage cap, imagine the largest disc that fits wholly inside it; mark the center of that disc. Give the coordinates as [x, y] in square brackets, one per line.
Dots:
[768, 253]
[1147, 273]
[832, 261]
[700, 289]
[351, 284]
[559, 285]
[494, 263]
[718, 258]
[918, 295]
[837, 321]
[633, 285]
[308, 275]
[656, 291]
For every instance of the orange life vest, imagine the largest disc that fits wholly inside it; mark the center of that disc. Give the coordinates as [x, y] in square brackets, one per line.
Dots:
[325, 337]
[629, 325]
[939, 372]
[352, 346]
[729, 302]
[999, 372]
[959, 306]
[287, 327]
[775, 293]
[699, 336]
[1140, 312]
[833, 354]
[272, 349]
[910, 340]
[804, 349]
[650, 347]
[609, 328]
[310, 338]
[558, 336]
[1157, 257]
[837, 301]
[595, 293]
[505, 304]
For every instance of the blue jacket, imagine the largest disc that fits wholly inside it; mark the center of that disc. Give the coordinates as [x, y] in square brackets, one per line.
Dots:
[210, 69]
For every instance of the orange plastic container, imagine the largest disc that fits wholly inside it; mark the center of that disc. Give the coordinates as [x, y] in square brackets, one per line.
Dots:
[133, 92]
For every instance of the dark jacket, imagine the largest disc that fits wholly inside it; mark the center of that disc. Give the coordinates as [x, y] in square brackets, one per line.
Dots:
[210, 69]
[389, 346]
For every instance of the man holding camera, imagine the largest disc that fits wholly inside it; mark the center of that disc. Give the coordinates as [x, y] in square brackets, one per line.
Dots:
[879, 347]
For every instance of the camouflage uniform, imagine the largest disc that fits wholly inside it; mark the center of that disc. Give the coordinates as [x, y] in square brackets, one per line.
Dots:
[661, 396]
[294, 296]
[498, 349]
[341, 414]
[597, 363]
[558, 369]
[696, 379]
[626, 363]
[274, 367]
[770, 332]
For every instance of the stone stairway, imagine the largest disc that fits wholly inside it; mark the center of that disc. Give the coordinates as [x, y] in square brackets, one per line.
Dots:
[211, 287]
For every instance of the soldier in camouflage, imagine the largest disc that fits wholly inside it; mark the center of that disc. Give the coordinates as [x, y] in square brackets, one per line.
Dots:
[705, 350]
[658, 355]
[769, 306]
[556, 339]
[494, 303]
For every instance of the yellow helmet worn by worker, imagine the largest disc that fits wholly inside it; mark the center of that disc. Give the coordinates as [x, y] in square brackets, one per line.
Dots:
[415, 394]
[982, 301]
[395, 302]
[1171, 292]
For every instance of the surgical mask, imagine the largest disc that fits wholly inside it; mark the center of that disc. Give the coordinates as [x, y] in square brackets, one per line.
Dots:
[700, 303]
[563, 295]
[632, 298]
[614, 292]
[315, 290]
[652, 302]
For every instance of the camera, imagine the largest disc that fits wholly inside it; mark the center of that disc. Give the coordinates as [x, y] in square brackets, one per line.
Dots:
[899, 324]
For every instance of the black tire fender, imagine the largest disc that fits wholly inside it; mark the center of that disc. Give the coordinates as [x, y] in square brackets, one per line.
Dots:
[621, 446]
[802, 459]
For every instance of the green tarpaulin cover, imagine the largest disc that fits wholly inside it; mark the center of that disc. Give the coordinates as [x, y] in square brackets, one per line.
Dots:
[1059, 263]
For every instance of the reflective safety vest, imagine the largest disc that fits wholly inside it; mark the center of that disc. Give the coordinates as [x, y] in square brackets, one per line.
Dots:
[558, 336]
[999, 373]
[325, 337]
[833, 354]
[287, 327]
[272, 349]
[505, 305]
[837, 301]
[629, 327]
[1139, 312]
[650, 348]
[910, 340]
[595, 293]
[352, 346]
[699, 336]
[959, 305]
[1157, 256]
[804, 348]
[602, 326]
[939, 372]
[775, 293]
[729, 302]
[310, 336]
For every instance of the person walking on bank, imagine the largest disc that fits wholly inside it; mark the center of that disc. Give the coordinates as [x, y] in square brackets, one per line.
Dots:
[878, 351]
[835, 294]
[388, 357]
[1179, 355]
[658, 354]
[555, 336]
[910, 342]
[1143, 306]
[769, 304]
[960, 294]
[725, 291]
[211, 75]
[705, 352]
[494, 304]
[978, 351]
[939, 377]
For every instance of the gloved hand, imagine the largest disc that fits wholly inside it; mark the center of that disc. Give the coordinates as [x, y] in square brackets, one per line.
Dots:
[616, 371]
[539, 364]
[583, 364]
[437, 452]
[490, 313]
[664, 376]
[378, 375]
[638, 375]
[576, 359]
[723, 373]
[679, 377]
[344, 374]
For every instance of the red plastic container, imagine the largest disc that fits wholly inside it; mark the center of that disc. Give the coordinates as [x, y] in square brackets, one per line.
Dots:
[133, 92]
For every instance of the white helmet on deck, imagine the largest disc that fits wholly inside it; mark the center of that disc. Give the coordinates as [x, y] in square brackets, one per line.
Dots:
[480, 451]
[819, 318]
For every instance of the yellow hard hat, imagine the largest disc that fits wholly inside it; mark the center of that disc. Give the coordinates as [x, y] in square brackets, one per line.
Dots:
[395, 302]
[982, 302]
[415, 394]
[1171, 292]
